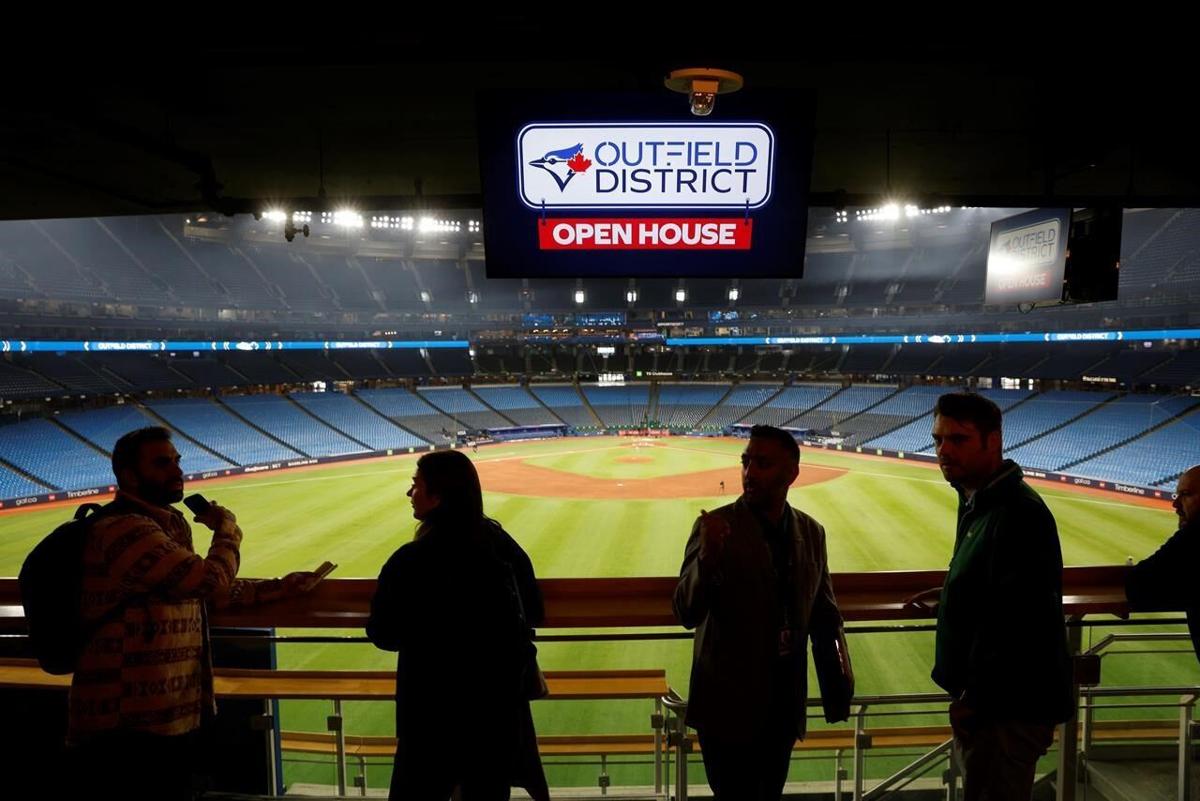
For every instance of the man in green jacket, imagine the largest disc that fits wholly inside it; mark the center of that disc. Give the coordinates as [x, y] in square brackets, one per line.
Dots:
[1001, 649]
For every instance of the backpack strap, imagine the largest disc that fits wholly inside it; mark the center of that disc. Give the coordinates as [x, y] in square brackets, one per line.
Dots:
[87, 510]
[92, 511]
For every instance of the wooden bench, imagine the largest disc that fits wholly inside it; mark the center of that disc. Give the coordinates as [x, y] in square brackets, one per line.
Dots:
[564, 686]
[551, 745]
[341, 686]
[365, 685]
[379, 749]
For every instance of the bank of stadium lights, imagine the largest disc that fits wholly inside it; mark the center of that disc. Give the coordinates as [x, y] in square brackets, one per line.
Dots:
[279, 215]
[889, 212]
[892, 212]
[347, 218]
[680, 295]
[841, 216]
[343, 217]
[734, 293]
[425, 296]
[432, 225]
[425, 225]
[631, 296]
[580, 297]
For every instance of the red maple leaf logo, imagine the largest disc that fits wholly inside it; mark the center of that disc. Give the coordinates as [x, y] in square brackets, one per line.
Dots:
[578, 163]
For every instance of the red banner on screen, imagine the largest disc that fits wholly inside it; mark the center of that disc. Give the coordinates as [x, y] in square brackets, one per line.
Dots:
[659, 233]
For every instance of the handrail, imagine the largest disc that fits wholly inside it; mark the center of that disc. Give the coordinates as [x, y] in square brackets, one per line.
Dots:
[635, 602]
[1111, 639]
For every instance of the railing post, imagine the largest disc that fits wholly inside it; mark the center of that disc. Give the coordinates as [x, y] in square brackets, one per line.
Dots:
[266, 724]
[656, 724]
[336, 724]
[681, 762]
[1187, 733]
[952, 786]
[666, 794]
[1087, 731]
[1089, 724]
[950, 777]
[860, 752]
[361, 778]
[1068, 741]
[839, 774]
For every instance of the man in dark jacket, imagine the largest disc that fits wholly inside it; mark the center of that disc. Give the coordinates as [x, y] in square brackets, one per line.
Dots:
[1166, 581]
[755, 585]
[1001, 648]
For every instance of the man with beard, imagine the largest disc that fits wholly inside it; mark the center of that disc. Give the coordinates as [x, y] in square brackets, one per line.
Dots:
[1001, 647]
[755, 585]
[143, 684]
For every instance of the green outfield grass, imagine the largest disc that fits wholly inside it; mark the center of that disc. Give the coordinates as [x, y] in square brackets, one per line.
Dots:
[879, 515]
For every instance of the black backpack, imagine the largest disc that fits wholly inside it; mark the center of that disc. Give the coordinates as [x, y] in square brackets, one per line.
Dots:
[51, 582]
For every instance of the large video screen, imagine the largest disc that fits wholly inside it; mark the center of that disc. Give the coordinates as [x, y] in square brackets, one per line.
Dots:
[587, 185]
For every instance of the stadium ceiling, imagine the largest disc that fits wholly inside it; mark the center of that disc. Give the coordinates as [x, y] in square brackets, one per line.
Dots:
[186, 121]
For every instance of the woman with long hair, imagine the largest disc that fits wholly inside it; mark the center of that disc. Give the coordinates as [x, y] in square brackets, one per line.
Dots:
[458, 604]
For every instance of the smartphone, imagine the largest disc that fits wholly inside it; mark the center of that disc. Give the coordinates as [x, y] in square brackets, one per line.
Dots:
[197, 503]
[319, 575]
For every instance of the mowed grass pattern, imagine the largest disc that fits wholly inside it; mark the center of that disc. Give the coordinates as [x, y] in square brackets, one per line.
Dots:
[880, 515]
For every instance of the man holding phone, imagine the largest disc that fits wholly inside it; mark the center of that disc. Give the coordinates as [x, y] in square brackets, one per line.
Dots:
[755, 585]
[143, 685]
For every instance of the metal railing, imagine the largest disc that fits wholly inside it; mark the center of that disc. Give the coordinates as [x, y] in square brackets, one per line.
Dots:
[670, 764]
[1076, 739]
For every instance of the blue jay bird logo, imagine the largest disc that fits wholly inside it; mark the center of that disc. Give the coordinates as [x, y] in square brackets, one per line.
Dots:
[562, 165]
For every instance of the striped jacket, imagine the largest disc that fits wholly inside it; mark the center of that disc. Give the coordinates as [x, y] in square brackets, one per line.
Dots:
[149, 667]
